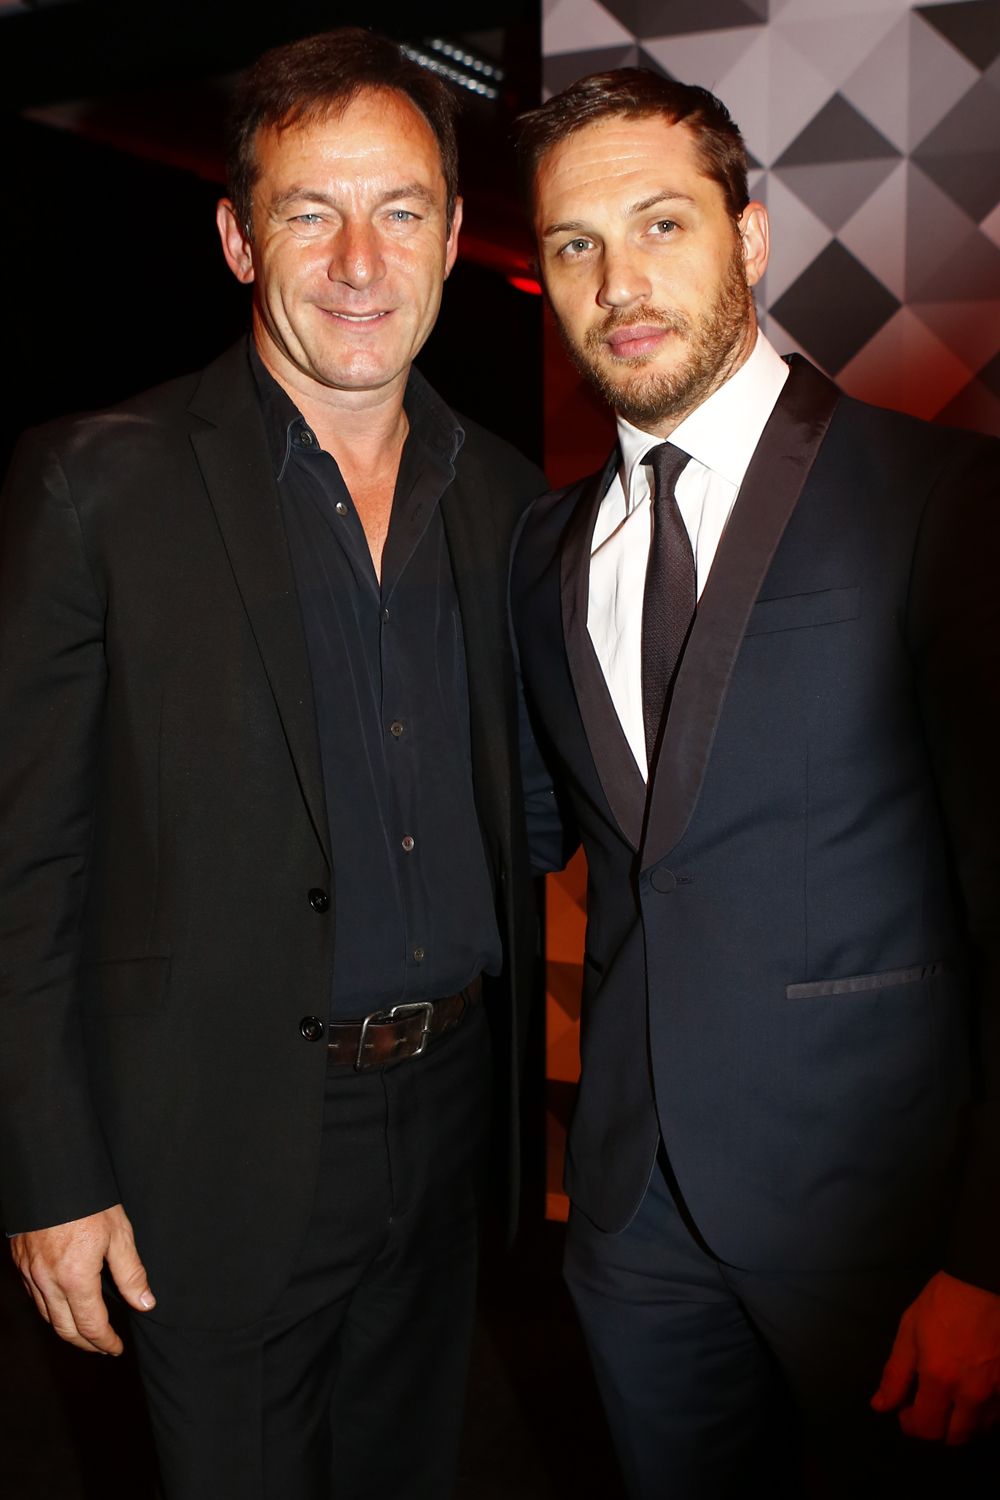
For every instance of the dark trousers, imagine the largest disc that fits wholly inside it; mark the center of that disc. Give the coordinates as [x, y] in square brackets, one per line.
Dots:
[353, 1384]
[714, 1378]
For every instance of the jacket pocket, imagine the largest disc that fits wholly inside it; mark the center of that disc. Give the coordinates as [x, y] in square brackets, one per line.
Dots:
[858, 984]
[797, 611]
[126, 986]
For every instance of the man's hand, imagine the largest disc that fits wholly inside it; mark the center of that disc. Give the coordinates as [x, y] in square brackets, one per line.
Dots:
[943, 1375]
[61, 1268]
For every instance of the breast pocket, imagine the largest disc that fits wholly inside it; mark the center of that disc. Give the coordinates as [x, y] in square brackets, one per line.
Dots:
[798, 611]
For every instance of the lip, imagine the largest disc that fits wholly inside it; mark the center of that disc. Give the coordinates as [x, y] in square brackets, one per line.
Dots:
[636, 340]
[372, 319]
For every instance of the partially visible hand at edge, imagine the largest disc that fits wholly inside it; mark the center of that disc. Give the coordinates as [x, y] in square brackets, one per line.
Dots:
[943, 1375]
[61, 1269]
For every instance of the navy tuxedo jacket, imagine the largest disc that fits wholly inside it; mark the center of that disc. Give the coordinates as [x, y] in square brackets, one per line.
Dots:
[792, 966]
[163, 823]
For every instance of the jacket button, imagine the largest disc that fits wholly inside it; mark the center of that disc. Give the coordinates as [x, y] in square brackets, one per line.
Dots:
[318, 899]
[312, 1028]
[663, 881]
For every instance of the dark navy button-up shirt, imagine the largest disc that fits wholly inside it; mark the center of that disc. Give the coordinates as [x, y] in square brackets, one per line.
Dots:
[412, 898]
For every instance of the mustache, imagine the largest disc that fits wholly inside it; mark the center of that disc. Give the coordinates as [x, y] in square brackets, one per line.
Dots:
[671, 320]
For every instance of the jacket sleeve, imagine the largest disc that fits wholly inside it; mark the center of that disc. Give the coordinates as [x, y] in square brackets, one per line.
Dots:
[53, 1161]
[954, 633]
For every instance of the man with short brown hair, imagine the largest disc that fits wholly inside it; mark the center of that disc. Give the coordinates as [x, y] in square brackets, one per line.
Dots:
[759, 648]
[258, 883]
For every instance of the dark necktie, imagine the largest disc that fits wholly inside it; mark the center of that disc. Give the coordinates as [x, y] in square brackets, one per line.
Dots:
[670, 596]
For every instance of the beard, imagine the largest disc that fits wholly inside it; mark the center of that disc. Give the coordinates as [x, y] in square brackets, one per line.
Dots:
[647, 396]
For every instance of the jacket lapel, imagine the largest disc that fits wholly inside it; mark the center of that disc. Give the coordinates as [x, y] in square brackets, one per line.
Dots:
[620, 777]
[767, 497]
[236, 466]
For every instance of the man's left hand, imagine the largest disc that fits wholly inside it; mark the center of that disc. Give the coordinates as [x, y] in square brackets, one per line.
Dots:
[943, 1375]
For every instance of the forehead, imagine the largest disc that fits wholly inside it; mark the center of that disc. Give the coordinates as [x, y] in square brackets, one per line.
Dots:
[617, 160]
[379, 130]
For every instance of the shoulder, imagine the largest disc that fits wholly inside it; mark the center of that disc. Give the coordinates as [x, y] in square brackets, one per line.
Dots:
[899, 443]
[142, 427]
[509, 475]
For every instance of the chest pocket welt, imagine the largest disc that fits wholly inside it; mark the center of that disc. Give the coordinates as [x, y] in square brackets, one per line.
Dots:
[796, 611]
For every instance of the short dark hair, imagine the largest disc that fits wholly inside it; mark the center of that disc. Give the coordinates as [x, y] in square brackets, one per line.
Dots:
[309, 78]
[635, 92]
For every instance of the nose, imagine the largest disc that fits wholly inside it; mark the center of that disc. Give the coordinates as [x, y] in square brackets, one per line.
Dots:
[356, 258]
[624, 282]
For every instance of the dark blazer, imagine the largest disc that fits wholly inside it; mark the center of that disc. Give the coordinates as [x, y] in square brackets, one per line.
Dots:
[793, 951]
[163, 821]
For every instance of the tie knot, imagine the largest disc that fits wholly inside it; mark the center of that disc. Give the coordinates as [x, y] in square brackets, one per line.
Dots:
[667, 464]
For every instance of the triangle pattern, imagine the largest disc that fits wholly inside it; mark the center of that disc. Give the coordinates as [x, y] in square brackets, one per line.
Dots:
[580, 25]
[645, 17]
[836, 44]
[969, 329]
[991, 225]
[973, 26]
[773, 93]
[876, 234]
[936, 228]
[835, 306]
[701, 57]
[907, 367]
[798, 238]
[836, 189]
[566, 67]
[972, 271]
[962, 154]
[837, 133]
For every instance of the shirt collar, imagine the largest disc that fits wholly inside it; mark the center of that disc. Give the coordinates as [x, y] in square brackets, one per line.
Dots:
[431, 420]
[724, 430]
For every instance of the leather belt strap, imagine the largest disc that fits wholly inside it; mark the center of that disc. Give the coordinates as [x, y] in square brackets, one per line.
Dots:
[389, 1036]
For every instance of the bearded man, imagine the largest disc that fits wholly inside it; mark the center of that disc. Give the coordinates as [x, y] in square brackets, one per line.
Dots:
[759, 648]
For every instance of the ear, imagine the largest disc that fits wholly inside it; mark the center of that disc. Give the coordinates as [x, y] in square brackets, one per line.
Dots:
[755, 232]
[451, 249]
[236, 246]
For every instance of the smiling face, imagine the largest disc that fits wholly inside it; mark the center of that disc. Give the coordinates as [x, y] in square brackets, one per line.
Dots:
[648, 274]
[350, 246]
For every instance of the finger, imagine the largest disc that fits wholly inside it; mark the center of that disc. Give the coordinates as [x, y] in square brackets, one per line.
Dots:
[129, 1274]
[967, 1419]
[898, 1375]
[928, 1415]
[78, 1314]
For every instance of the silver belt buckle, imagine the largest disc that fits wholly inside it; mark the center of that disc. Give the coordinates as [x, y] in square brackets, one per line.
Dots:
[382, 1016]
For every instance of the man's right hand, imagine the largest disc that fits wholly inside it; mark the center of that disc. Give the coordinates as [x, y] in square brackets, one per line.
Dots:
[61, 1268]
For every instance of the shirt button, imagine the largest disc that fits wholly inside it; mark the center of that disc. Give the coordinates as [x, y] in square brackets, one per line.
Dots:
[418, 955]
[306, 438]
[408, 843]
[340, 508]
[396, 728]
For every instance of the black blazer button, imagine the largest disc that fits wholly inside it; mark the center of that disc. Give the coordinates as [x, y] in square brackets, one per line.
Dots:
[318, 899]
[663, 881]
[312, 1028]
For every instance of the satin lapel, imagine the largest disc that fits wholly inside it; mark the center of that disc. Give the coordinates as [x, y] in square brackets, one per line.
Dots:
[767, 497]
[238, 474]
[621, 778]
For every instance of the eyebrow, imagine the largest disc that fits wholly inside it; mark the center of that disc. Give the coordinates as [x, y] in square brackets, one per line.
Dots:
[572, 226]
[299, 194]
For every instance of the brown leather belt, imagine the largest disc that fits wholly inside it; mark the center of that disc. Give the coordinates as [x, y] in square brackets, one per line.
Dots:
[389, 1036]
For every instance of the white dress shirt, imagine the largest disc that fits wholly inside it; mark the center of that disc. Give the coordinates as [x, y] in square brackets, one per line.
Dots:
[720, 437]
